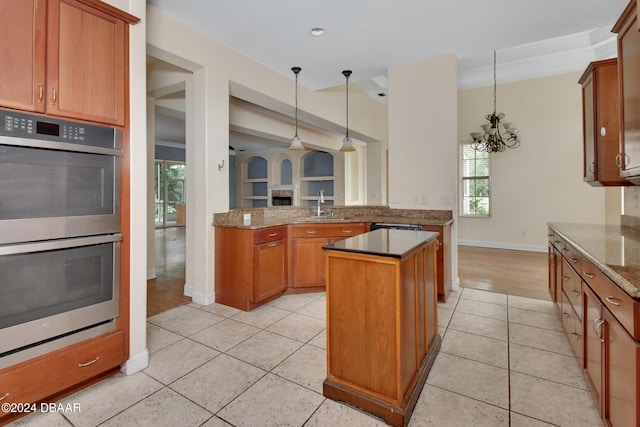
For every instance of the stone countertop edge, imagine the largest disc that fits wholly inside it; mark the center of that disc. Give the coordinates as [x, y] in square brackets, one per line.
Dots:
[624, 280]
[386, 243]
[273, 217]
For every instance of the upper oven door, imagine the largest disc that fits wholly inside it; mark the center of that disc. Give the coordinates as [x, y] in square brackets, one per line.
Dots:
[58, 179]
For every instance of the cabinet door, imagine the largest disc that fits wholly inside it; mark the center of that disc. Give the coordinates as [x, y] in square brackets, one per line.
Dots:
[593, 344]
[588, 123]
[22, 54]
[621, 375]
[308, 262]
[86, 59]
[629, 79]
[270, 269]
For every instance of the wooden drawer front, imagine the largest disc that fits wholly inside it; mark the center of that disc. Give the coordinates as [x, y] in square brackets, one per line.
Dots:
[572, 287]
[328, 230]
[573, 327]
[52, 374]
[621, 305]
[270, 234]
[555, 240]
[572, 256]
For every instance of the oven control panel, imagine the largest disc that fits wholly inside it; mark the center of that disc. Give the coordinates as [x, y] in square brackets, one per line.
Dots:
[21, 125]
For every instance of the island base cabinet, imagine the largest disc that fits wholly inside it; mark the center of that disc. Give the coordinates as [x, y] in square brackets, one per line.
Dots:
[382, 330]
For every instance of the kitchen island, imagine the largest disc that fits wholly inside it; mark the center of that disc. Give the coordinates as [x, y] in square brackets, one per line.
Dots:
[382, 323]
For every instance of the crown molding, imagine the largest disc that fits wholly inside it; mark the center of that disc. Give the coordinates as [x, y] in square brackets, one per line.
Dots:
[546, 58]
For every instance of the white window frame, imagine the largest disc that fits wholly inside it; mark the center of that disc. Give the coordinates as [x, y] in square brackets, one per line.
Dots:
[463, 179]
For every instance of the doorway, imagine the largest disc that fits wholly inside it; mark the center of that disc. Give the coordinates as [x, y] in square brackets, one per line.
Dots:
[169, 206]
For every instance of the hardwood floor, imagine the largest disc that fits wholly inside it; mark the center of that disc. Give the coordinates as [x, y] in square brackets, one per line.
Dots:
[510, 272]
[166, 290]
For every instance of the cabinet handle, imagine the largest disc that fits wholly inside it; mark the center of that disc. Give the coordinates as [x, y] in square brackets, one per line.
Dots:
[311, 231]
[592, 167]
[614, 301]
[346, 231]
[575, 293]
[575, 335]
[272, 245]
[82, 365]
[5, 396]
[565, 250]
[40, 93]
[54, 98]
[566, 315]
[557, 241]
[597, 328]
[565, 277]
[574, 260]
[273, 234]
[618, 156]
[590, 275]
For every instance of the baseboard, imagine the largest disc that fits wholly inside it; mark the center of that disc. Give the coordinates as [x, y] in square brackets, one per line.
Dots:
[136, 363]
[151, 274]
[501, 245]
[200, 298]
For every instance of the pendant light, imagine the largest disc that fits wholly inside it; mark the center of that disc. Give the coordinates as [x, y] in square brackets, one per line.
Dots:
[347, 143]
[295, 142]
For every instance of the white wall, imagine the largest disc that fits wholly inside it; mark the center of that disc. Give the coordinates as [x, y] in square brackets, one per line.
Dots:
[541, 181]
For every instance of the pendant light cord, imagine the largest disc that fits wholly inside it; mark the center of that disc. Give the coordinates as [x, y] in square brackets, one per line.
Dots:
[296, 104]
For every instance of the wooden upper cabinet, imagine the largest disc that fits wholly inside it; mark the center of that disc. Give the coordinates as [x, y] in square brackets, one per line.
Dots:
[22, 54]
[629, 87]
[65, 57]
[600, 106]
[85, 63]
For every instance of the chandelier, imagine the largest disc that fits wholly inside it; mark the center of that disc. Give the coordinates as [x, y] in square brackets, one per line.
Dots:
[494, 139]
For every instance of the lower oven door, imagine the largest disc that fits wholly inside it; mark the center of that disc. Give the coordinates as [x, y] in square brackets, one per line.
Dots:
[53, 289]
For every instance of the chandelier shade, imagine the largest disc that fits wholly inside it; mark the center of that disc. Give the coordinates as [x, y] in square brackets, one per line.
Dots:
[296, 144]
[347, 143]
[497, 135]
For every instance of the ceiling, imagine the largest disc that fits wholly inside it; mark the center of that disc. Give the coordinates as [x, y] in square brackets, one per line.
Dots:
[371, 36]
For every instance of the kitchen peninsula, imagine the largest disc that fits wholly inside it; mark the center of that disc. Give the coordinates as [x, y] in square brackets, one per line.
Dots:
[280, 248]
[382, 322]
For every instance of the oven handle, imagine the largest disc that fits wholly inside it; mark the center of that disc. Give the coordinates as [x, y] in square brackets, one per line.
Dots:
[54, 145]
[50, 245]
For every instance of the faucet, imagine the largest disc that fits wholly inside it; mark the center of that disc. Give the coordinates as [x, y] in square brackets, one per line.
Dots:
[320, 200]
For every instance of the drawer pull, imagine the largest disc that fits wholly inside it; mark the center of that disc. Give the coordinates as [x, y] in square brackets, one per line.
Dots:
[565, 277]
[347, 231]
[590, 275]
[273, 234]
[614, 301]
[557, 241]
[575, 293]
[40, 93]
[311, 231]
[566, 315]
[82, 365]
[565, 250]
[5, 396]
[575, 335]
[271, 245]
[574, 260]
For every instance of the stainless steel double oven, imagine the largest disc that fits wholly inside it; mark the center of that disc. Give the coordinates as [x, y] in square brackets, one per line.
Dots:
[59, 233]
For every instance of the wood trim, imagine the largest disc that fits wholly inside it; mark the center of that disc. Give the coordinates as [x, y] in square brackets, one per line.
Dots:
[111, 10]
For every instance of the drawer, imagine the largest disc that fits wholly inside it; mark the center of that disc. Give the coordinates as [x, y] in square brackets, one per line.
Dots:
[573, 327]
[270, 234]
[621, 305]
[555, 239]
[572, 256]
[572, 287]
[50, 374]
[328, 230]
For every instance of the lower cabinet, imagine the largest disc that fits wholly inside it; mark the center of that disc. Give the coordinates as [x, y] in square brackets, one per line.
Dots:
[602, 325]
[307, 256]
[443, 259]
[251, 265]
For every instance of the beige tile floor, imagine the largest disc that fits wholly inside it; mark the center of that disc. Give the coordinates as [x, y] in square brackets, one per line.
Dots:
[504, 362]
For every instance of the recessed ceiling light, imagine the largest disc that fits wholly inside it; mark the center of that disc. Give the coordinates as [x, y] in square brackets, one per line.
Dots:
[316, 32]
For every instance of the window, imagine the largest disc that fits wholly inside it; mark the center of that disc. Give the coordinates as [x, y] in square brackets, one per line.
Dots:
[476, 182]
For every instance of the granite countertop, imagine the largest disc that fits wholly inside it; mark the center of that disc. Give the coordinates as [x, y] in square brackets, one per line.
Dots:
[613, 249]
[384, 242]
[275, 216]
